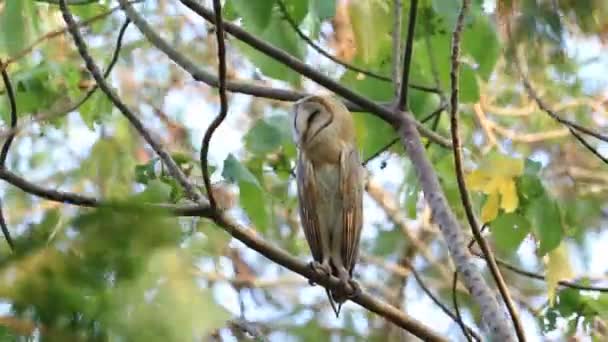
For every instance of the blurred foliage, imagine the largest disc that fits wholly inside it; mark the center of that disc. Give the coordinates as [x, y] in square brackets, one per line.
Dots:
[128, 271]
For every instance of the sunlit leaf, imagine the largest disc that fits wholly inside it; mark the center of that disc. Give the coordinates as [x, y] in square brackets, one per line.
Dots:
[370, 40]
[255, 13]
[557, 265]
[545, 216]
[509, 230]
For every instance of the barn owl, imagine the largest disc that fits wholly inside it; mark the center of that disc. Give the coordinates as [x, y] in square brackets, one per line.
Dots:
[330, 189]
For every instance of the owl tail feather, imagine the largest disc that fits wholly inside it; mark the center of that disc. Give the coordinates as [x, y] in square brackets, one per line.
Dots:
[335, 306]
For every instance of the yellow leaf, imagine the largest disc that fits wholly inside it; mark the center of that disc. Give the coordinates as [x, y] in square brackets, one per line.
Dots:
[490, 209]
[501, 165]
[476, 180]
[509, 199]
[557, 265]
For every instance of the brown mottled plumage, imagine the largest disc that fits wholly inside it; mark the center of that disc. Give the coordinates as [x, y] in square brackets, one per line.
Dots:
[330, 188]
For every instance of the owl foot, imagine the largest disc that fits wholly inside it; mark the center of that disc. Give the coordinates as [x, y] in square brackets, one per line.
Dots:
[322, 269]
[348, 286]
[356, 289]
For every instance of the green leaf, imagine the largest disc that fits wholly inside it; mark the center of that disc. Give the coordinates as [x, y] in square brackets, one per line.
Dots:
[529, 187]
[139, 308]
[373, 41]
[448, 10]
[387, 242]
[324, 9]
[13, 26]
[34, 89]
[235, 172]
[251, 194]
[95, 109]
[480, 40]
[263, 138]
[253, 200]
[281, 35]
[545, 216]
[297, 9]
[469, 89]
[155, 192]
[509, 230]
[256, 14]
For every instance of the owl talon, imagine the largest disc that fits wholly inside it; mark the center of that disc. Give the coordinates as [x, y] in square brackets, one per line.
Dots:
[356, 289]
[320, 269]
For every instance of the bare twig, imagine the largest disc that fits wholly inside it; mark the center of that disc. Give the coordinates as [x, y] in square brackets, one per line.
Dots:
[56, 33]
[504, 330]
[39, 117]
[253, 241]
[221, 55]
[396, 37]
[321, 51]
[248, 327]
[387, 114]
[402, 101]
[172, 167]
[572, 126]
[10, 93]
[547, 109]
[456, 318]
[5, 232]
[7, 145]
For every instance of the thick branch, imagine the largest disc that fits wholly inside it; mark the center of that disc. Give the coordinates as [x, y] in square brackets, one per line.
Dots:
[311, 73]
[253, 241]
[396, 38]
[402, 101]
[215, 124]
[502, 329]
[172, 167]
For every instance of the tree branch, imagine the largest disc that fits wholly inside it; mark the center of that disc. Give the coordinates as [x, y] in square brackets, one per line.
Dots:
[172, 167]
[396, 38]
[321, 51]
[310, 72]
[277, 255]
[501, 328]
[7, 144]
[221, 55]
[402, 101]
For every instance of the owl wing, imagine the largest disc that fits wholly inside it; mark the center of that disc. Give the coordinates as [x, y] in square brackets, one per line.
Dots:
[351, 188]
[307, 195]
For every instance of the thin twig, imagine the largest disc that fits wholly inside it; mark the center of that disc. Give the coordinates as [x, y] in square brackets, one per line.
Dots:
[321, 51]
[7, 145]
[455, 300]
[69, 2]
[39, 117]
[5, 232]
[573, 127]
[172, 167]
[56, 33]
[346, 65]
[587, 145]
[547, 109]
[86, 201]
[10, 93]
[396, 38]
[403, 101]
[221, 55]
[386, 114]
[466, 331]
[434, 114]
[462, 187]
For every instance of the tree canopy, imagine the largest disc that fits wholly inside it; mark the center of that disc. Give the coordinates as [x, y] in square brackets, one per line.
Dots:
[148, 183]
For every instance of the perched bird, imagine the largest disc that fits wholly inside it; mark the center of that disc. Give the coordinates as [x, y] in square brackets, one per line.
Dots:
[330, 189]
